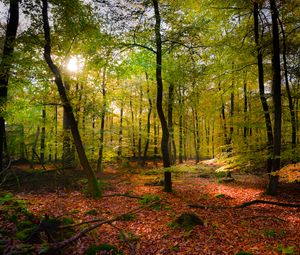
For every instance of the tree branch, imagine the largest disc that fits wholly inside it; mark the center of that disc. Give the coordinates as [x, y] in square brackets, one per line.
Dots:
[246, 204]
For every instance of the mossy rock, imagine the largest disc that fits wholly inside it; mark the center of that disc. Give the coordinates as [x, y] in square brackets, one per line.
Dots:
[187, 221]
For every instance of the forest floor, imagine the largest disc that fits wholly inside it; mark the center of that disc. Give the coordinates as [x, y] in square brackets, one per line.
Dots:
[256, 229]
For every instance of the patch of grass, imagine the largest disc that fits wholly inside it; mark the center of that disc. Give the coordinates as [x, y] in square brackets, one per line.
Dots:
[127, 217]
[175, 247]
[220, 195]
[271, 233]
[131, 237]
[243, 253]
[91, 212]
[152, 172]
[286, 250]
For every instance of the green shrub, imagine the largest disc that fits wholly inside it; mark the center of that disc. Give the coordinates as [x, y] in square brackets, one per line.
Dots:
[286, 250]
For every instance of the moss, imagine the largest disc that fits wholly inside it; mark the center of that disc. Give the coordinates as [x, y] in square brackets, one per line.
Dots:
[187, 221]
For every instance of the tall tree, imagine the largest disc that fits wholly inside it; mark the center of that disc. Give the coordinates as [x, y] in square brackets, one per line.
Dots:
[276, 91]
[5, 66]
[92, 180]
[159, 99]
[262, 96]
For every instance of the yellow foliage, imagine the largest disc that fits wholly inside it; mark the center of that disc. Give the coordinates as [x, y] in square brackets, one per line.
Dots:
[290, 173]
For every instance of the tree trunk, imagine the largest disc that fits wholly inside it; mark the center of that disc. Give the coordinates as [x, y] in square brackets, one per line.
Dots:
[196, 135]
[181, 128]
[56, 135]
[92, 180]
[288, 91]
[132, 126]
[43, 136]
[276, 90]
[148, 122]
[246, 119]
[140, 126]
[262, 88]
[172, 147]
[120, 133]
[67, 156]
[103, 113]
[155, 137]
[223, 116]
[231, 114]
[5, 65]
[159, 99]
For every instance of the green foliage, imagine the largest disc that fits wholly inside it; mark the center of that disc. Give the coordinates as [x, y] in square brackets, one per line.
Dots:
[219, 195]
[243, 253]
[152, 172]
[91, 212]
[149, 199]
[26, 233]
[107, 249]
[131, 237]
[127, 217]
[286, 250]
[272, 233]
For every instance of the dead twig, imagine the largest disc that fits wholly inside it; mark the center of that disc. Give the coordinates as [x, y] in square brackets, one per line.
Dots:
[56, 246]
[246, 204]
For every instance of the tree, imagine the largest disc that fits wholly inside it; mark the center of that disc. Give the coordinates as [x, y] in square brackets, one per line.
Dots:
[92, 181]
[276, 91]
[5, 66]
[159, 99]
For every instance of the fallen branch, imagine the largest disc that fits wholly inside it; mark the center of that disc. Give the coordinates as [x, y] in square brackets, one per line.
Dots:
[57, 246]
[246, 204]
[131, 245]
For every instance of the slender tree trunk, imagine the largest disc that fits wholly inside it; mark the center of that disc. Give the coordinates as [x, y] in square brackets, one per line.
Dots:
[196, 135]
[245, 107]
[140, 126]
[5, 65]
[231, 114]
[56, 135]
[92, 180]
[43, 136]
[172, 147]
[261, 86]
[102, 124]
[120, 133]
[213, 139]
[160, 112]
[67, 156]
[181, 128]
[132, 126]
[223, 117]
[148, 122]
[155, 141]
[276, 90]
[288, 90]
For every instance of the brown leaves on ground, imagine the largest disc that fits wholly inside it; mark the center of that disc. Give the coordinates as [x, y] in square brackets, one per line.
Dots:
[258, 229]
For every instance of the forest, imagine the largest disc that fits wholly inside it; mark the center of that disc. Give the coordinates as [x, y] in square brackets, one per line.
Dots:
[147, 127]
